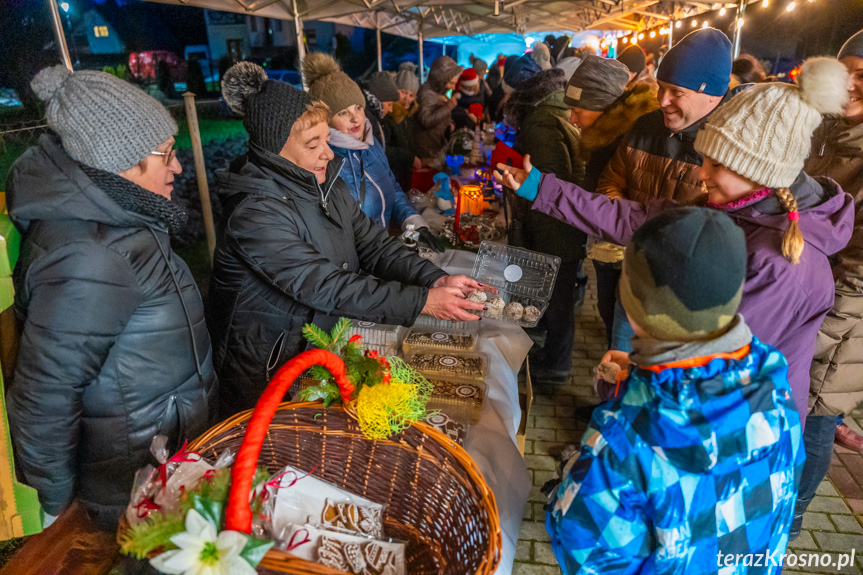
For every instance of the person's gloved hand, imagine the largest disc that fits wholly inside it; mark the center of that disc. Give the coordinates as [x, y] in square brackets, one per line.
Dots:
[524, 182]
[429, 239]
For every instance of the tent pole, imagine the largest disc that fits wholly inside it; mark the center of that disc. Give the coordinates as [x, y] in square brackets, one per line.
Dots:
[671, 24]
[201, 172]
[301, 48]
[59, 35]
[380, 51]
[420, 38]
[738, 28]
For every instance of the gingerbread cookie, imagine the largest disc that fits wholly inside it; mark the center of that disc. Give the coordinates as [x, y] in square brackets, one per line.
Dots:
[330, 553]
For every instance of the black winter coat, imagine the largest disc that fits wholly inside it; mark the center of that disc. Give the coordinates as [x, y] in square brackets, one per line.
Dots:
[294, 252]
[114, 349]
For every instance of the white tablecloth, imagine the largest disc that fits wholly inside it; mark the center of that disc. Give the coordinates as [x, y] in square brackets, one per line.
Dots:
[492, 441]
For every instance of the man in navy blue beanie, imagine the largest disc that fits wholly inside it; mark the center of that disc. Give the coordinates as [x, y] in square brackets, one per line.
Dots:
[656, 158]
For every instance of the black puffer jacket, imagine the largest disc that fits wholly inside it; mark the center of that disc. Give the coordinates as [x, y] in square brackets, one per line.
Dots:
[287, 257]
[114, 349]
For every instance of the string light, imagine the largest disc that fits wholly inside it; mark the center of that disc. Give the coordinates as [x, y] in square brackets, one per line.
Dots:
[653, 33]
[678, 24]
[791, 7]
[722, 11]
[740, 22]
[625, 40]
[694, 23]
[641, 36]
[704, 25]
[765, 4]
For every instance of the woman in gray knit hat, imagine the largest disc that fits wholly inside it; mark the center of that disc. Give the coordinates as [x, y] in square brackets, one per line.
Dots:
[435, 108]
[114, 348]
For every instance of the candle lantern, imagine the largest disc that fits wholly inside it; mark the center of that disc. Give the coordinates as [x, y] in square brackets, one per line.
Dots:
[472, 200]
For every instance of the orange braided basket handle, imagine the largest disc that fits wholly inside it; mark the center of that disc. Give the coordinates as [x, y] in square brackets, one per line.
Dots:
[238, 516]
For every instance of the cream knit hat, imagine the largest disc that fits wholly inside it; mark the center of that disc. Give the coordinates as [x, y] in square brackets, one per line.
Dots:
[764, 132]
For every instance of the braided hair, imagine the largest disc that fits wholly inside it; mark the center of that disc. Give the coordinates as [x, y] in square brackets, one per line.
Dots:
[792, 241]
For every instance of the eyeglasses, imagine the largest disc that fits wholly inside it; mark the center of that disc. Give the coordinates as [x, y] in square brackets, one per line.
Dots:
[169, 156]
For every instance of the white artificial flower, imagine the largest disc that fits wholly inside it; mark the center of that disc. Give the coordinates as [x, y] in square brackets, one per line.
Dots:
[201, 552]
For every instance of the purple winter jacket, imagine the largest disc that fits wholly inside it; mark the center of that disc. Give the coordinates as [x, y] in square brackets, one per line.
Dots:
[783, 304]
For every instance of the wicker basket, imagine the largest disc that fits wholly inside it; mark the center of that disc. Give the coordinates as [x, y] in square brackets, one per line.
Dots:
[435, 496]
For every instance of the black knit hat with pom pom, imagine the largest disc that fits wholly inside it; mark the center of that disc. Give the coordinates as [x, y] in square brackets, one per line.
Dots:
[269, 107]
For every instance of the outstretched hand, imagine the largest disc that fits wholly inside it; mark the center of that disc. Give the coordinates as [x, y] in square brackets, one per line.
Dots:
[513, 177]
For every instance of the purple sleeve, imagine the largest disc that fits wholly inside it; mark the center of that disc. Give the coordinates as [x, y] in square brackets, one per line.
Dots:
[595, 214]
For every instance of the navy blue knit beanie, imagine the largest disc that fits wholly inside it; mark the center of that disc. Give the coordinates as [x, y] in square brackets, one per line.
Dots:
[519, 73]
[701, 61]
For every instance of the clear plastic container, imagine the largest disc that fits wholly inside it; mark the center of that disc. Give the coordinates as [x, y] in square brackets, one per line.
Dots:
[452, 424]
[456, 395]
[521, 276]
[435, 364]
[380, 337]
[436, 334]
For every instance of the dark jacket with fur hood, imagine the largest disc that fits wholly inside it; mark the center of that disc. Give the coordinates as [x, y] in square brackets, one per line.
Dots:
[600, 140]
[541, 117]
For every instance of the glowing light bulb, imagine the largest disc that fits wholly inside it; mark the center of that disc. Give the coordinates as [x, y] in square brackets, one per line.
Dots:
[653, 33]
[679, 23]
[722, 11]
[625, 40]
[740, 22]
[694, 23]
[765, 4]
[791, 7]
[64, 6]
[641, 36]
[704, 25]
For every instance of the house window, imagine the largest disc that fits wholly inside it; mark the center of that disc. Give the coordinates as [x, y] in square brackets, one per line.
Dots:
[100, 31]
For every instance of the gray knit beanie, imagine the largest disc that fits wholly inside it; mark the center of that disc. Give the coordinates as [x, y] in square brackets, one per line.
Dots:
[383, 87]
[104, 122]
[407, 80]
[596, 84]
[853, 47]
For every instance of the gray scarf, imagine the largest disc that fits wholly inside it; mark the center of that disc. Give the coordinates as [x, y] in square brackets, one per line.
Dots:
[648, 351]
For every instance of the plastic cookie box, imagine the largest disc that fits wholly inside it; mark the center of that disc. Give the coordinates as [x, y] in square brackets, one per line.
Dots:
[430, 333]
[521, 276]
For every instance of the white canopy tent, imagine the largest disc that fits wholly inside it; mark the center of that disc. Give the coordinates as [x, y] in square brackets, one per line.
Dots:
[422, 19]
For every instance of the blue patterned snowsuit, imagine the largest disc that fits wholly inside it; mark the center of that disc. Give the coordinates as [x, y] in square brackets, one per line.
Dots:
[687, 463]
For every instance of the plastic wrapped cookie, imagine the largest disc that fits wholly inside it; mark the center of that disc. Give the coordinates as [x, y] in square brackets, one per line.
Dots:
[495, 306]
[514, 310]
[478, 297]
[531, 314]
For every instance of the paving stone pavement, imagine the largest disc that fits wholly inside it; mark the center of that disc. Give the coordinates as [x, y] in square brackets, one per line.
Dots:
[833, 524]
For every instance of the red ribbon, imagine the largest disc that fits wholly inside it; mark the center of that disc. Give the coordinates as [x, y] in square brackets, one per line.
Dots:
[292, 545]
[794, 216]
[355, 338]
[145, 506]
[181, 456]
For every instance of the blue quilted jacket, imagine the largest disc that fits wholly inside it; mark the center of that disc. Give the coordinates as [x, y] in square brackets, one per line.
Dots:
[695, 458]
[366, 160]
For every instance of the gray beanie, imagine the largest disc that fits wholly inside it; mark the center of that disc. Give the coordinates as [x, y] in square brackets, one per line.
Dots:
[104, 122]
[383, 87]
[407, 80]
[853, 47]
[596, 84]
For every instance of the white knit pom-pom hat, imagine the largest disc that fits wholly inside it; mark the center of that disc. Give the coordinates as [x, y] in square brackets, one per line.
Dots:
[764, 133]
